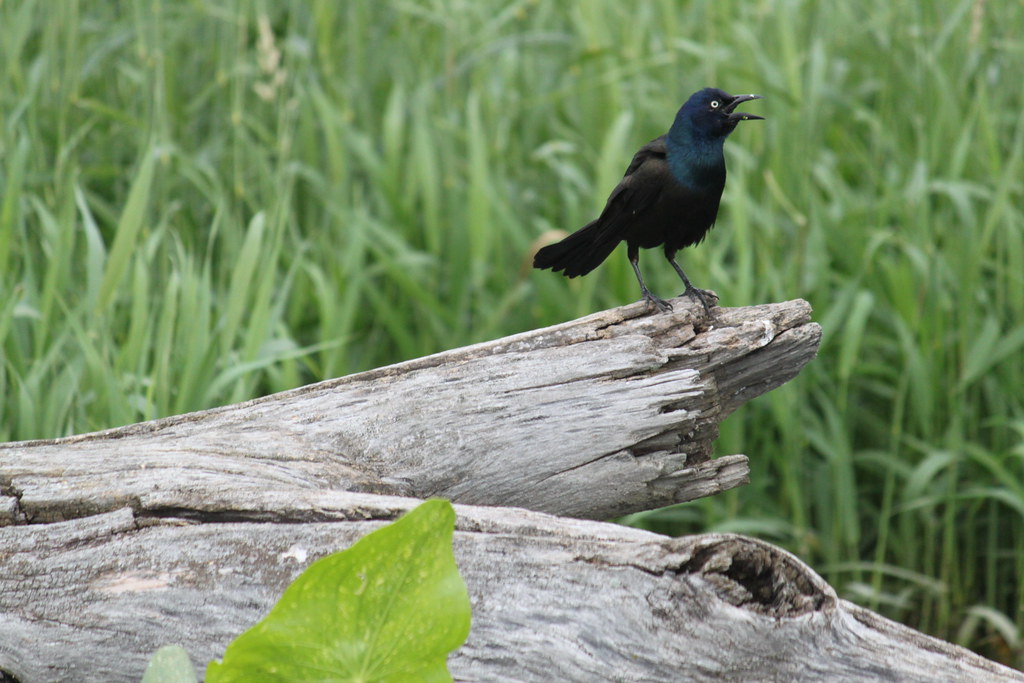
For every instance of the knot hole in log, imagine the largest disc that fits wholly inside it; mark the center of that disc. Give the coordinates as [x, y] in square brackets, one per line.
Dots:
[759, 577]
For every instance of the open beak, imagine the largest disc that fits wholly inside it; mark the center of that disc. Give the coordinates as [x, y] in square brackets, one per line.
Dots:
[739, 115]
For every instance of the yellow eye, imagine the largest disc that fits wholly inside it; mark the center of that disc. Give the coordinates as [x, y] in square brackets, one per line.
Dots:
[715, 104]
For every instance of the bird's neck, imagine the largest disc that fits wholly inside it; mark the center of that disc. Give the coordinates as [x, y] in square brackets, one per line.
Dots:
[696, 160]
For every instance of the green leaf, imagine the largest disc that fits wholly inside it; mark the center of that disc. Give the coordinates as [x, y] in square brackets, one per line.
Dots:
[390, 608]
[170, 664]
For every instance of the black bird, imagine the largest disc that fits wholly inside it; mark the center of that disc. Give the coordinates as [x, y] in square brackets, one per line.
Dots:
[669, 195]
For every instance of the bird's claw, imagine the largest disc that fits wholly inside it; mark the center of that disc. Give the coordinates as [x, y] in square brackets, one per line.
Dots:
[699, 293]
[658, 302]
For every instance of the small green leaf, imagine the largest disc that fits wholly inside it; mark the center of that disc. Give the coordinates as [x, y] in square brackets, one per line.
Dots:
[390, 608]
[170, 664]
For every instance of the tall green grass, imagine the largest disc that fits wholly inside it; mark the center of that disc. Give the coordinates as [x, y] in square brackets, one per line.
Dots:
[203, 202]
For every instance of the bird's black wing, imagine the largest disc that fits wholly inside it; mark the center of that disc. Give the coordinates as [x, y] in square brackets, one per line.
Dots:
[626, 214]
[653, 150]
[646, 178]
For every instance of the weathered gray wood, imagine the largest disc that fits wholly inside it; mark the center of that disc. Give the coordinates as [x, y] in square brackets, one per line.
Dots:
[186, 530]
[602, 416]
[554, 599]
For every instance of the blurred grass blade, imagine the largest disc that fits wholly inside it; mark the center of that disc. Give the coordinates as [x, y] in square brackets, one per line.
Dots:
[129, 229]
[13, 178]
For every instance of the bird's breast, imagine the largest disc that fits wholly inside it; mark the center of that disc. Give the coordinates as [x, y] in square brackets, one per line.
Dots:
[680, 217]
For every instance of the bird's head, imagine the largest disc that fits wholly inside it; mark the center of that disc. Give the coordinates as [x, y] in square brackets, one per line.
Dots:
[711, 113]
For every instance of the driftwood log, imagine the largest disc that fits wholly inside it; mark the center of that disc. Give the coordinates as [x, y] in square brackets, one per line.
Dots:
[610, 414]
[554, 599]
[187, 529]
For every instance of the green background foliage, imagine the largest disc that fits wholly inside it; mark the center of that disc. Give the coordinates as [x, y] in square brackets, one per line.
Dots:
[207, 201]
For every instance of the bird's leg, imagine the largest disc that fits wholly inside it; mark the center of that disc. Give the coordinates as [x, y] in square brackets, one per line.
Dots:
[634, 260]
[670, 254]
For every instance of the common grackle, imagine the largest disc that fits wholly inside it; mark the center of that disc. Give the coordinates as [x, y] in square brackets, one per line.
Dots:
[669, 195]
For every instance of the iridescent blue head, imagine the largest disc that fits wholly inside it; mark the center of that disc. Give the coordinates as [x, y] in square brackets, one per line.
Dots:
[709, 115]
[696, 137]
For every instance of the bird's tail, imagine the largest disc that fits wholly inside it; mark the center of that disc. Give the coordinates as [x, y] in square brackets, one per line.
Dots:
[580, 252]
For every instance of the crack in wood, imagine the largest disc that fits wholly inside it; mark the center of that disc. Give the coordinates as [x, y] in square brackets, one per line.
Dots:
[289, 516]
[585, 463]
[11, 511]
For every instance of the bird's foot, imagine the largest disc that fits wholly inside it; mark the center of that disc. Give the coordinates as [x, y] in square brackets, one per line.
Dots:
[701, 297]
[658, 302]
